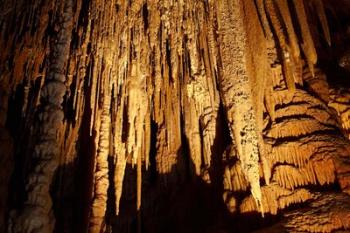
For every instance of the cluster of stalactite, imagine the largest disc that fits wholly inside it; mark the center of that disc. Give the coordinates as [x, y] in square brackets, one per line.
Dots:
[141, 87]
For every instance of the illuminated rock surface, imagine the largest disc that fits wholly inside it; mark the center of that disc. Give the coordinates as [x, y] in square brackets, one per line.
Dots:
[174, 116]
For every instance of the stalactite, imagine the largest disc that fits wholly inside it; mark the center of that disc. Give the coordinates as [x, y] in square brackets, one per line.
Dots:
[263, 18]
[306, 126]
[238, 181]
[101, 82]
[320, 10]
[298, 153]
[304, 154]
[307, 44]
[199, 91]
[37, 214]
[307, 111]
[234, 85]
[280, 33]
[310, 147]
[293, 41]
[316, 171]
[137, 102]
[119, 142]
[275, 198]
[195, 94]
[119, 178]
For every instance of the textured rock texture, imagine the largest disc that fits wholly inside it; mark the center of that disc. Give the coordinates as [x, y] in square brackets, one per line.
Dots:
[174, 116]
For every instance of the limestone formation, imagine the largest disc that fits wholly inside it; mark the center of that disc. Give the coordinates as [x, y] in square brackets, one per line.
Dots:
[174, 116]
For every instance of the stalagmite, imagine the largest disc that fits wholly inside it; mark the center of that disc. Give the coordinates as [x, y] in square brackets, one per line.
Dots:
[37, 213]
[99, 203]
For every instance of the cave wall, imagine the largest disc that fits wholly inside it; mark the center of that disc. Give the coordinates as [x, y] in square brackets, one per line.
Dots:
[156, 116]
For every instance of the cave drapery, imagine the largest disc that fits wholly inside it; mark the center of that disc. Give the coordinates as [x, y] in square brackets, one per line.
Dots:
[174, 116]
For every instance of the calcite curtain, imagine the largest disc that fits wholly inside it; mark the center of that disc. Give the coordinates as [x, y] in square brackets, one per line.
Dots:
[174, 116]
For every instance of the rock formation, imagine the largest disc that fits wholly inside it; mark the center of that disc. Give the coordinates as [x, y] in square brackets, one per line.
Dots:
[174, 116]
